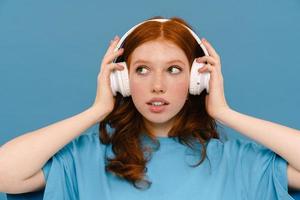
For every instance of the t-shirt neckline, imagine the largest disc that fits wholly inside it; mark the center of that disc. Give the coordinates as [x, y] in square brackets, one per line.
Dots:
[163, 139]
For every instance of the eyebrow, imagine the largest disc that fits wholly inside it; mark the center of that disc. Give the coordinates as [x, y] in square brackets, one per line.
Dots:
[145, 61]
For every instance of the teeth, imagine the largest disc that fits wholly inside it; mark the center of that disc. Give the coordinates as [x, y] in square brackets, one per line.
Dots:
[157, 103]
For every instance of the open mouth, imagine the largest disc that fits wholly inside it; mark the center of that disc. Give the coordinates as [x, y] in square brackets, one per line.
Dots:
[157, 104]
[157, 107]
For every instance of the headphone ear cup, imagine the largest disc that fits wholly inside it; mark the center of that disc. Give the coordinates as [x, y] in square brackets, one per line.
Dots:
[198, 81]
[119, 81]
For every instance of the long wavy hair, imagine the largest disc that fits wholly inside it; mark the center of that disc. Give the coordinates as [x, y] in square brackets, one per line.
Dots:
[192, 123]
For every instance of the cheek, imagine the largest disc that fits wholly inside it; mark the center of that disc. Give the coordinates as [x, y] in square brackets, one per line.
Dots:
[136, 89]
[135, 86]
[179, 89]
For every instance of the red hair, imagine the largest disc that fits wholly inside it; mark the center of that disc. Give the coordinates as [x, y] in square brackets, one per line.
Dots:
[192, 122]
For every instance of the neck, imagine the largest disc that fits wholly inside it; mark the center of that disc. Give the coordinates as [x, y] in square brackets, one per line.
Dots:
[159, 129]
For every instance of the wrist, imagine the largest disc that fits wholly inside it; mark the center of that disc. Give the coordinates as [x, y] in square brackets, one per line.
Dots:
[223, 114]
[98, 113]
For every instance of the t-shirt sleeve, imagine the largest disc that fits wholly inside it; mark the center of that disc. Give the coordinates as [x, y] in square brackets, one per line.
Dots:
[46, 168]
[262, 172]
[60, 174]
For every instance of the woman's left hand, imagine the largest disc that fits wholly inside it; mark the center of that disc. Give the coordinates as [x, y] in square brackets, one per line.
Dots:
[215, 101]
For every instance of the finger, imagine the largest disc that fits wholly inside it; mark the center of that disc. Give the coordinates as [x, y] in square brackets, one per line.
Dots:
[105, 72]
[110, 57]
[203, 69]
[113, 44]
[206, 68]
[210, 60]
[207, 59]
[210, 49]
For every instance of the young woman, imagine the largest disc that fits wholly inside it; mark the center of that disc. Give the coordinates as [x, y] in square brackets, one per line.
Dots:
[164, 142]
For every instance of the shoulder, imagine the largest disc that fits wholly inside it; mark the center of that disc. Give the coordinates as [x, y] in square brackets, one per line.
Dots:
[87, 137]
[85, 148]
[236, 149]
[85, 143]
[235, 145]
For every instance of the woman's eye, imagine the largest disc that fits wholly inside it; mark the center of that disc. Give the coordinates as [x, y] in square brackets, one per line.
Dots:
[140, 70]
[173, 68]
[178, 69]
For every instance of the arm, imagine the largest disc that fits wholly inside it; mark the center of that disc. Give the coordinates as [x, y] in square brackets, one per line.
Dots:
[22, 158]
[283, 140]
[25, 155]
[293, 178]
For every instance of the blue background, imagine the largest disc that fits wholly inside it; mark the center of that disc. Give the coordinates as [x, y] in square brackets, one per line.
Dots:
[50, 54]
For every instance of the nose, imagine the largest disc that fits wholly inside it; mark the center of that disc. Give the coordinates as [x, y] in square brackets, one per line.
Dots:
[158, 84]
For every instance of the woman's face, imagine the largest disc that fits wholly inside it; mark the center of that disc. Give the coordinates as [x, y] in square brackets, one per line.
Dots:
[160, 69]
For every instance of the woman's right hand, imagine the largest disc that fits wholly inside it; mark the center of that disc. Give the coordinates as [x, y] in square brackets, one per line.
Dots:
[105, 100]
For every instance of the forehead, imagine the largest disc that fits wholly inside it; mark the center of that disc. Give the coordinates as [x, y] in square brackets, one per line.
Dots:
[158, 51]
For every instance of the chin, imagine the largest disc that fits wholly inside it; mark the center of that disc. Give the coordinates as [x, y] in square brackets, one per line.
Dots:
[157, 119]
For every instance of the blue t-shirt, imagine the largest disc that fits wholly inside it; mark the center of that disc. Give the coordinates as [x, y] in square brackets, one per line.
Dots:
[235, 169]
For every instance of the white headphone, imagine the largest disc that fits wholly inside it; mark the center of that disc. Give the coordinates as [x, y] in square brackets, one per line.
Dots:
[198, 81]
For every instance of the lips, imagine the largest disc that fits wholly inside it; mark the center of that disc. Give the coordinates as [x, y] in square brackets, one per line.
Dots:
[165, 102]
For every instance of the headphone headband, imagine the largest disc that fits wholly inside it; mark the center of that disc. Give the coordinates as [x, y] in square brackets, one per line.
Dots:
[162, 21]
[119, 79]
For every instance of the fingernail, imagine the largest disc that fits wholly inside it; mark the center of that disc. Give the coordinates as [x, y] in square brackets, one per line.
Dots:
[116, 37]
[203, 39]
